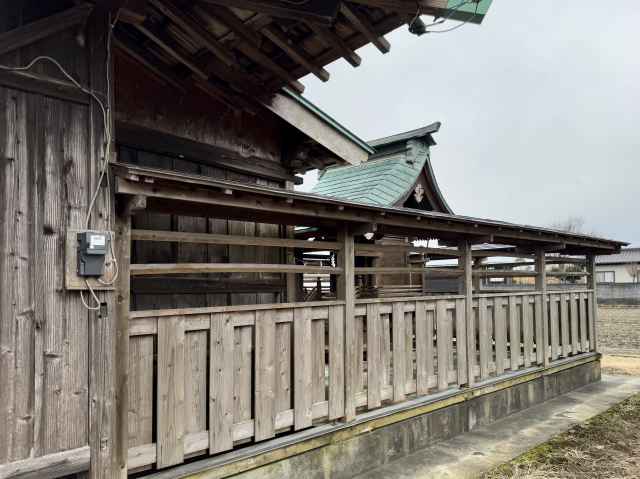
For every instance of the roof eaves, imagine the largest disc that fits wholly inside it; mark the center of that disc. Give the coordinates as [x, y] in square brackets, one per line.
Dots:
[329, 120]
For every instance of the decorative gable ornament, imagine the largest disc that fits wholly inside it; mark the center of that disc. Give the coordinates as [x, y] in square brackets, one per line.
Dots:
[418, 193]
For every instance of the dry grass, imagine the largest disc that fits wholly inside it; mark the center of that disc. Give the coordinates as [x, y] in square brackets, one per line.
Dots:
[621, 365]
[607, 446]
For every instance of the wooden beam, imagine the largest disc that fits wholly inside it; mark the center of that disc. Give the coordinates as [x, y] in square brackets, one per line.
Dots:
[250, 45]
[43, 28]
[190, 285]
[334, 41]
[187, 22]
[196, 268]
[273, 33]
[324, 11]
[399, 270]
[43, 85]
[362, 23]
[221, 239]
[159, 71]
[592, 283]
[59, 464]
[394, 248]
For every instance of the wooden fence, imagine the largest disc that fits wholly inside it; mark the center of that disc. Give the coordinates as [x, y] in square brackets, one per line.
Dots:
[203, 381]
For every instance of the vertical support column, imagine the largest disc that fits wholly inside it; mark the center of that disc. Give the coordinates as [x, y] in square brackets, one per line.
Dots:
[592, 283]
[347, 293]
[122, 250]
[103, 439]
[466, 288]
[292, 280]
[541, 287]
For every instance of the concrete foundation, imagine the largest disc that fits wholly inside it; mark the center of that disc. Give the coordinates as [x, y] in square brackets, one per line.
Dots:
[387, 435]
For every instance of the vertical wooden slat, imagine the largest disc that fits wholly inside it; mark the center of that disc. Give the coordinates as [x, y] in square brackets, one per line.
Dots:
[461, 342]
[385, 348]
[265, 380]
[554, 325]
[359, 323]
[583, 322]
[399, 348]
[346, 291]
[422, 338]
[170, 395]
[442, 344]
[541, 344]
[575, 336]
[373, 356]
[140, 417]
[514, 334]
[336, 362]
[501, 334]
[302, 390]
[592, 284]
[221, 341]
[542, 316]
[317, 361]
[242, 373]
[195, 381]
[527, 330]
[564, 325]
[284, 372]
[408, 343]
[483, 326]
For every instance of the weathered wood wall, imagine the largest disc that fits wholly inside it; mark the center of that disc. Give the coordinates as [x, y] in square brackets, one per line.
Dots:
[199, 118]
[44, 186]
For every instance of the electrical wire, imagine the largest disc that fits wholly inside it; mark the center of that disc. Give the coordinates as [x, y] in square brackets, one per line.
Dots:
[446, 30]
[106, 119]
[440, 21]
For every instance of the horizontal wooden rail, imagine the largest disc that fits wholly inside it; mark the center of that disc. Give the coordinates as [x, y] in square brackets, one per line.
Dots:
[236, 240]
[59, 464]
[525, 274]
[193, 268]
[389, 248]
[397, 270]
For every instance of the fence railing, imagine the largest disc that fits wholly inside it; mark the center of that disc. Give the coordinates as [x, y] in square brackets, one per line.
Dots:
[203, 381]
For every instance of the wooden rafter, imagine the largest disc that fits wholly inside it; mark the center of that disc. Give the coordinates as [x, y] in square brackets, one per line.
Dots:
[362, 23]
[34, 31]
[273, 33]
[334, 41]
[250, 44]
[280, 9]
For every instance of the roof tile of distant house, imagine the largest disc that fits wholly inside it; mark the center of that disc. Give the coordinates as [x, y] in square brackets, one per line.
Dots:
[627, 255]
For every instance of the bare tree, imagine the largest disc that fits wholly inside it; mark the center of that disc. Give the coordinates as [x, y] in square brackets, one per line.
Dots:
[572, 224]
[634, 271]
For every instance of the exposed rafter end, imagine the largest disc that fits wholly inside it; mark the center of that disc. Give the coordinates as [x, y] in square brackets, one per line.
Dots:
[362, 23]
[332, 40]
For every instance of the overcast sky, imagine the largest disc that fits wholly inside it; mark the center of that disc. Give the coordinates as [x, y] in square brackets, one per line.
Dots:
[540, 107]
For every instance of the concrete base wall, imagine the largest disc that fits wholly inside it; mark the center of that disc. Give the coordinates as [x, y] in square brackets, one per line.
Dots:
[619, 329]
[364, 452]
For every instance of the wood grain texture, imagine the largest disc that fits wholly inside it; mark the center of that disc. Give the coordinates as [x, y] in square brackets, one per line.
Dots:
[336, 362]
[265, 380]
[424, 354]
[527, 330]
[373, 356]
[565, 324]
[514, 334]
[221, 383]
[170, 395]
[554, 325]
[500, 314]
[461, 342]
[485, 347]
[302, 392]
[399, 348]
[443, 345]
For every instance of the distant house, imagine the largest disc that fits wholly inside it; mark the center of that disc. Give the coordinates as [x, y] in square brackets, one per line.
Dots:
[623, 267]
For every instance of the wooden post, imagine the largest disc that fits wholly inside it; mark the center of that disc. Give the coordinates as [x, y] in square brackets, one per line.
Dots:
[122, 250]
[102, 324]
[466, 288]
[592, 284]
[292, 280]
[346, 292]
[541, 287]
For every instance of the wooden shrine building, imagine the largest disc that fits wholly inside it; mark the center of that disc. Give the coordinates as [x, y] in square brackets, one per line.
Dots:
[151, 318]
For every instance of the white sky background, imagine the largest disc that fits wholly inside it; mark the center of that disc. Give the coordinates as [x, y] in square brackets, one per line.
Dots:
[540, 108]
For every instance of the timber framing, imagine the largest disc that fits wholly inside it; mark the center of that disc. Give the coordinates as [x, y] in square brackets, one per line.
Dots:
[191, 193]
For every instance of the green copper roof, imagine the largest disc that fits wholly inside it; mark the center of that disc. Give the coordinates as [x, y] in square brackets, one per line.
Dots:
[381, 182]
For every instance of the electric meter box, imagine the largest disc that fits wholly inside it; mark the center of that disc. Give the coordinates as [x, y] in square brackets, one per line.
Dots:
[92, 253]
